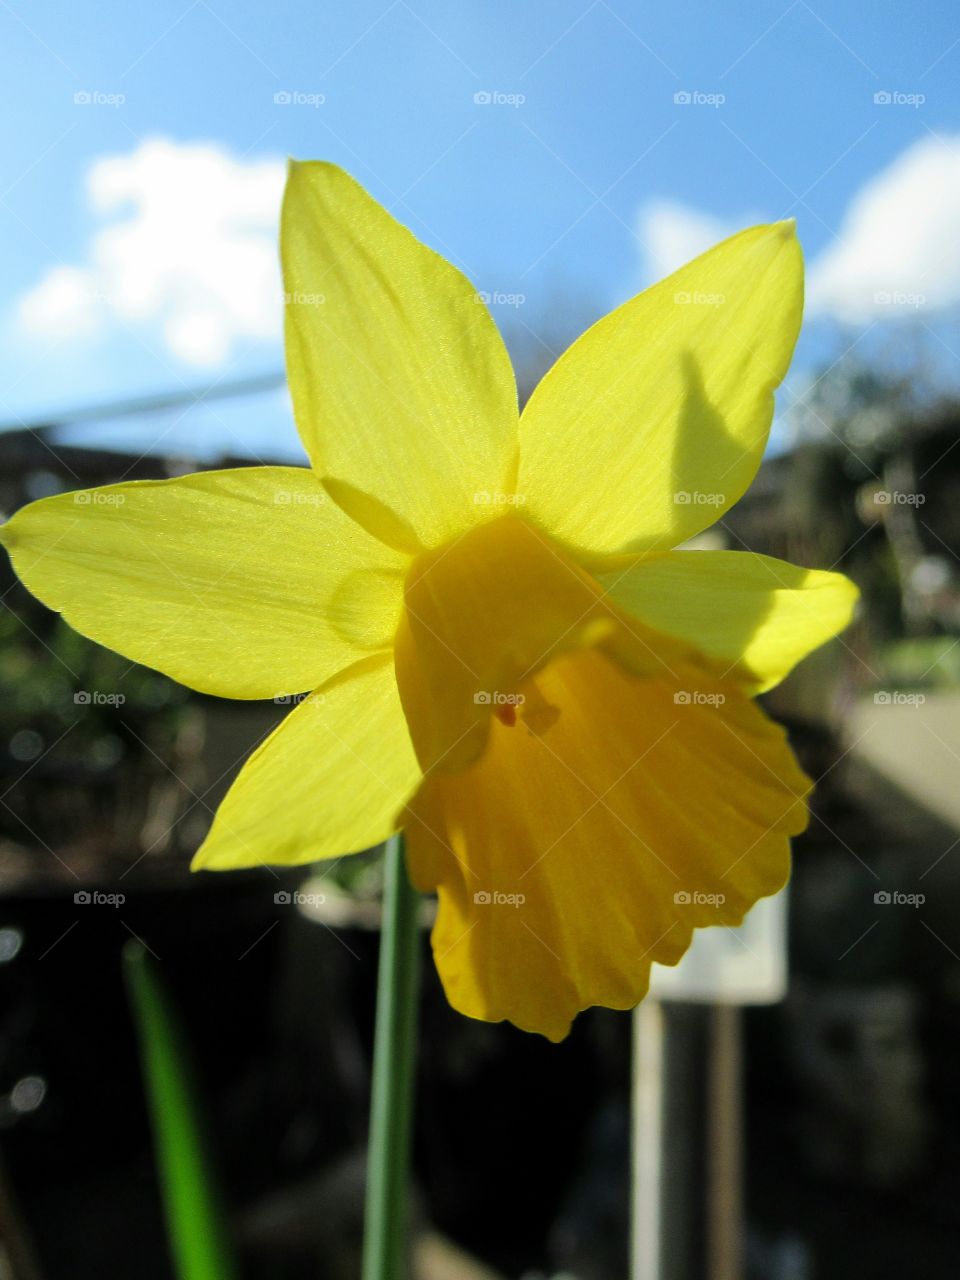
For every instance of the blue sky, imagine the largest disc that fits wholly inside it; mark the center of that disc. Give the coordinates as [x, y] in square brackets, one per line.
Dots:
[579, 180]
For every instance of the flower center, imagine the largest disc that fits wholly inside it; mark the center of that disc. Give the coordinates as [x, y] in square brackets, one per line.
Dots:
[482, 615]
[530, 707]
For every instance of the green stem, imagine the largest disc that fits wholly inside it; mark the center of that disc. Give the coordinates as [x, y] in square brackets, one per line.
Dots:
[196, 1219]
[385, 1242]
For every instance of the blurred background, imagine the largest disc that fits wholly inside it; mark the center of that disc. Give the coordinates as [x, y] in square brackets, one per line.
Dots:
[564, 155]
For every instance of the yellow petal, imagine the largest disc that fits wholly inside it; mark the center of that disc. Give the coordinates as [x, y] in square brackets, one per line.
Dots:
[655, 420]
[330, 780]
[481, 615]
[568, 860]
[239, 583]
[402, 388]
[755, 612]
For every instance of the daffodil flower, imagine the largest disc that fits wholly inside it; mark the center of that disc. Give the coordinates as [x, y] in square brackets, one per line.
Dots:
[504, 654]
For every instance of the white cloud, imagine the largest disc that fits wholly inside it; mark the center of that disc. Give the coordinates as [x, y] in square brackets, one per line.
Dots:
[899, 246]
[672, 233]
[62, 305]
[194, 252]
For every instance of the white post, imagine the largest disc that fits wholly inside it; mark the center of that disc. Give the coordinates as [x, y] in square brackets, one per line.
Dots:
[725, 1149]
[646, 1217]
